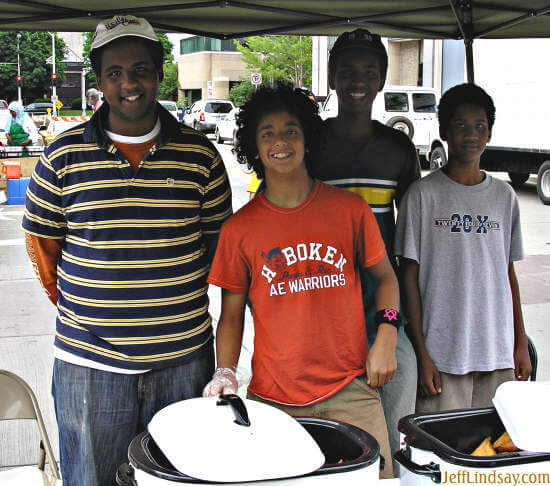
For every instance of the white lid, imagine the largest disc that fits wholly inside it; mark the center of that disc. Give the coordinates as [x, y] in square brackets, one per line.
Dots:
[202, 440]
[523, 408]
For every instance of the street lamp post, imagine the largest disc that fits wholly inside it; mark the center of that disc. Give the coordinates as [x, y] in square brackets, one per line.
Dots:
[18, 71]
[54, 92]
[83, 89]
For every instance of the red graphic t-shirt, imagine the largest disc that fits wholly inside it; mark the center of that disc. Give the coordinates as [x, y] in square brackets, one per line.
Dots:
[299, 267]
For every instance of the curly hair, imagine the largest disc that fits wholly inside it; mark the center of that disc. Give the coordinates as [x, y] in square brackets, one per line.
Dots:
[467, 93]
[266, 101]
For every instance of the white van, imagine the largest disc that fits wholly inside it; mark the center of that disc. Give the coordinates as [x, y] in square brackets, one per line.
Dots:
[411, 109]
[203, 114]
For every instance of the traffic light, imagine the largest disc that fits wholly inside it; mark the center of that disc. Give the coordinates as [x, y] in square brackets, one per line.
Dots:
[54, 79]
[19, 81]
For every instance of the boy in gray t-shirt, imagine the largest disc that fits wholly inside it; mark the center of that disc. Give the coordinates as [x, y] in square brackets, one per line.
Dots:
[458, 234]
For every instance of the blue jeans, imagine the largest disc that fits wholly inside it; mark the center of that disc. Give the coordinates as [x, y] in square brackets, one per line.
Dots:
[99, 413]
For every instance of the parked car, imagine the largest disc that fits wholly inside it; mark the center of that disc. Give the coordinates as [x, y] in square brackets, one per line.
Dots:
[204, 114]
[171, 107]
[226, 127]
[28, 126]
[38, 108]
[3, 104]
[411, 109]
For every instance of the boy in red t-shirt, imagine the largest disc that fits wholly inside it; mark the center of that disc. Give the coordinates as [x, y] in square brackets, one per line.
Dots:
[301, 275]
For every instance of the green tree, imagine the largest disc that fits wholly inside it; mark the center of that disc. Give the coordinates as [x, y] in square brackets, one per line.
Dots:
[168, 89]
[34, 49]
[87, 46]
[279, 58]
[240, 92]
[167, 46]
[91, 82]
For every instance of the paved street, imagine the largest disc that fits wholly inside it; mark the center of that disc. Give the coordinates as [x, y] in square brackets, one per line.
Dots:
[28, 318]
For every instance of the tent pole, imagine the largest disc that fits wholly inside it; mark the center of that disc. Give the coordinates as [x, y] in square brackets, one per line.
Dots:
[469, 46]
[462, 10]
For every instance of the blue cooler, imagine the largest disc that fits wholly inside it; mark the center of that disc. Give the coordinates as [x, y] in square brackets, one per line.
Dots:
[17, 189]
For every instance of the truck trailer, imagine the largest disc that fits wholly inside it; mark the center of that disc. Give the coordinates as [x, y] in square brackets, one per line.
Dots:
[515, 73]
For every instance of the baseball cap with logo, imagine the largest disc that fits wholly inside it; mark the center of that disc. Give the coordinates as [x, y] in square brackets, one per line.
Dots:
[122, 26]
[359, 39]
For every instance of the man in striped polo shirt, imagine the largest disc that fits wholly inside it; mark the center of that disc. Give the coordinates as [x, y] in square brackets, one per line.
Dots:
[122, 218]
[379, 163]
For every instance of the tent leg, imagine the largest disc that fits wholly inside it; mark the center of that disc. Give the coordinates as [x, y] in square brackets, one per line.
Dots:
[469, 46]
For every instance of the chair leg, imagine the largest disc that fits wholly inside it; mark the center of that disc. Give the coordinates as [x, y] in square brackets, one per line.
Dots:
[41, 457]
[533, 357]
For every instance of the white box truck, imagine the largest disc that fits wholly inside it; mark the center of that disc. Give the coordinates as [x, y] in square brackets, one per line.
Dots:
[516, 74]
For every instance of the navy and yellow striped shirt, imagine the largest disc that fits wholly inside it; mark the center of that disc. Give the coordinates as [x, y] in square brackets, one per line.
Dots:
[136, 247]
[380, 169]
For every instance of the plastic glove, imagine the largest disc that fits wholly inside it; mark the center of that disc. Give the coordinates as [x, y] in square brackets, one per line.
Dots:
[223, 382]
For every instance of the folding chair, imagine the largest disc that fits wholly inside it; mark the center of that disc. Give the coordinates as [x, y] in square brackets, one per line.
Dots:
[17, 401]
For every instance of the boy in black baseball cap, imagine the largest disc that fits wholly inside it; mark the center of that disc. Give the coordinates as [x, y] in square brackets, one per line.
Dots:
[360, 39]
[379, 163]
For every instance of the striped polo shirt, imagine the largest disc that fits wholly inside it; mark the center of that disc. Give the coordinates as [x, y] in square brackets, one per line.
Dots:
[136, 247]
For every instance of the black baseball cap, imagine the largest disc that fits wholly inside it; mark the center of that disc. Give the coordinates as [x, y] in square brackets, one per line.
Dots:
[359, 39]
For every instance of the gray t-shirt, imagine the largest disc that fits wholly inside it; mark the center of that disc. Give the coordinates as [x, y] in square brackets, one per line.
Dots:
[463, 238]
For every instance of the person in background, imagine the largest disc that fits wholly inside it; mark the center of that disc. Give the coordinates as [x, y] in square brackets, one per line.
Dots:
[458, 235]
[93, 98]
[253, 185]
[122, 219]
[15, 126]
[295, 250]
[379, 163]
